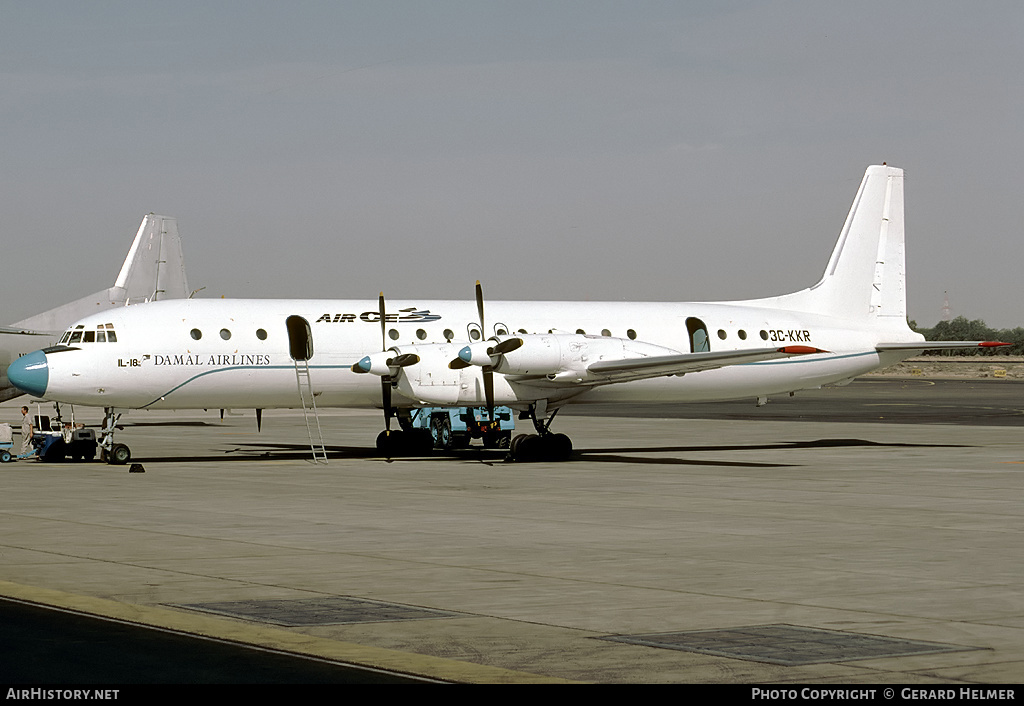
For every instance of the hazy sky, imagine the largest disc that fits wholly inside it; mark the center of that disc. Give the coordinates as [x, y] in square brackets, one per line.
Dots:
[581, 150]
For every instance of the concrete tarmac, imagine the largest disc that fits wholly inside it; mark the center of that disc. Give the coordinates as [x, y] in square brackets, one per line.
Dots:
[846, 530]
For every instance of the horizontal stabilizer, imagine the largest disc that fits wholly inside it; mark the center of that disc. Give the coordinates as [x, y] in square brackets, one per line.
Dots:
[938, 345]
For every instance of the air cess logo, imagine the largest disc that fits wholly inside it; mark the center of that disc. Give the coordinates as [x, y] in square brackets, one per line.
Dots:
[404, 316]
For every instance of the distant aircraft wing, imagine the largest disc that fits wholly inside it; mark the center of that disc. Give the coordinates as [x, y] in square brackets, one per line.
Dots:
[629, 369]
[938, 345]
[15, 331]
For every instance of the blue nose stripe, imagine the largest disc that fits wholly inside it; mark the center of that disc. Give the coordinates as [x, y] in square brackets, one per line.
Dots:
[30, 374]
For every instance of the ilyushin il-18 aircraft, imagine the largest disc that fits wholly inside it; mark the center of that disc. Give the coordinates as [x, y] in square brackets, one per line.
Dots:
[534, 357]
[153, 270]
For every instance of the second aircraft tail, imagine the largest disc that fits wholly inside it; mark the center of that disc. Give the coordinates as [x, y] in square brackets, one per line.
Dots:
[154, 269]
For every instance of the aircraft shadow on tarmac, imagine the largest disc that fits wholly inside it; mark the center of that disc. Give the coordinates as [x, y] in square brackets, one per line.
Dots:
[297, 452]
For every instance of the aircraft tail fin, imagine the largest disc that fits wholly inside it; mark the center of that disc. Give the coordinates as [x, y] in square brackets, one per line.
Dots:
[154, 269]
[866, 275]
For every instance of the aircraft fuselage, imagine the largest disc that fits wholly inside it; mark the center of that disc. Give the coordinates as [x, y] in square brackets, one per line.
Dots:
[239, 353]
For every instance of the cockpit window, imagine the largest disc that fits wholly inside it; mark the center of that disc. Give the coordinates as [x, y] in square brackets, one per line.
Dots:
[103, 333]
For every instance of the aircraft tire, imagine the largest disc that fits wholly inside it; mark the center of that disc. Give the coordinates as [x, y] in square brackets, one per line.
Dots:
[514, 452]
[119, 455]
[528, 448]
[441, 428]
[421, 442]
[388, 443]
[415, 442]
[5, 456]
[558, 447]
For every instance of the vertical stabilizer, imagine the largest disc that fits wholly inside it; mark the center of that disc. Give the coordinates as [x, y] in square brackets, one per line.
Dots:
[866, 275]
[154, 269]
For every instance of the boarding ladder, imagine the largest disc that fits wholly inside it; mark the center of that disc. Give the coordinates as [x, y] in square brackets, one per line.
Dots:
[316, 445]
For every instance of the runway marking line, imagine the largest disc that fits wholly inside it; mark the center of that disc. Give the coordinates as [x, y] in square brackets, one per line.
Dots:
[271, 638]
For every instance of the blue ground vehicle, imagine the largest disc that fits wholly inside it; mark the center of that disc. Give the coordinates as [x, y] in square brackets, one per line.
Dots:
[455, 427]
[54, 441]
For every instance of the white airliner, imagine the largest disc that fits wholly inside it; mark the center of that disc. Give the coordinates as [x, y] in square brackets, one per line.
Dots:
[532, 356]
[152, 270]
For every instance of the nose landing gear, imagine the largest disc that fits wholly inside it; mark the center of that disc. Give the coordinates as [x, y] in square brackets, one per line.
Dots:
[113, 454]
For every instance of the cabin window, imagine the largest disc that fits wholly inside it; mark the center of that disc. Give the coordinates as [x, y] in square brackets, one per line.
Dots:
[631, 334]
[448, 334]
[722, 334]
[393, 334]
[225, 334]
[581, 332]
[196, 334]
[764, 335]
[500, 329]
[742, 334]
[605, 332]
[421, 334]
[261, 334]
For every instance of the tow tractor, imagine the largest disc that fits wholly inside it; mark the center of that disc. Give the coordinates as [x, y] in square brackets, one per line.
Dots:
[52, 440]
[455, 427]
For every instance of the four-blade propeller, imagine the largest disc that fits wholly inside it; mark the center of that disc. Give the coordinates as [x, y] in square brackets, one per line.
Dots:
[487, 354]
[387, 364]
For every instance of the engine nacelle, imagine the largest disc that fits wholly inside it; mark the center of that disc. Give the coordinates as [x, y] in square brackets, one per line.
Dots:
[478, 353]
[432, 381]
[387, 362]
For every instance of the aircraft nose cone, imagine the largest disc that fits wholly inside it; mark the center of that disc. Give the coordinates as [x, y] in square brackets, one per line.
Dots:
[30, 374]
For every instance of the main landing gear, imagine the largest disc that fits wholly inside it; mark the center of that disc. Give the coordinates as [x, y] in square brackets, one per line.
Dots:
[413, 440]
[114, 454]
[542, 446]
[405, 442]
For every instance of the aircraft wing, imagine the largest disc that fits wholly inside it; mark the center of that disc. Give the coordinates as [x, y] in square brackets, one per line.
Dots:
[15, 331]
[938, 345]
[629, 369]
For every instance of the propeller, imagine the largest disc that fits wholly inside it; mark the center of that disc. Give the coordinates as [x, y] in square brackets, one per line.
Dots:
[381, 364]
[387, 363]
[385, 380]
[484, 354]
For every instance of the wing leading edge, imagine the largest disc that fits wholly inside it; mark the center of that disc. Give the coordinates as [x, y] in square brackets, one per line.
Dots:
[630, 369]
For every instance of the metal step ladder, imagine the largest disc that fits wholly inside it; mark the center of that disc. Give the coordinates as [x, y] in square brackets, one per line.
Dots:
[316, 445]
